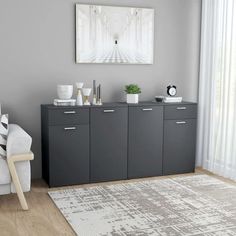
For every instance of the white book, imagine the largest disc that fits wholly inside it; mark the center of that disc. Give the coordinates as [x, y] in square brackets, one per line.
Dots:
[173, 99]
[61, 102]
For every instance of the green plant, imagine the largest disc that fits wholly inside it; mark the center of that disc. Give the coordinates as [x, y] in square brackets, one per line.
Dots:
[132, 89]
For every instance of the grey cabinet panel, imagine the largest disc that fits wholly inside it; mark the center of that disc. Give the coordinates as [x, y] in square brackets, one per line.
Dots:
[179, 146]
[68, 116]
[145, 141]
[180, 111]
[108, 137]
[45, 143]
[69, 155]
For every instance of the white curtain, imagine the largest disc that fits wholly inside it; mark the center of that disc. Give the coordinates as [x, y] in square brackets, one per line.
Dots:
[216, 148]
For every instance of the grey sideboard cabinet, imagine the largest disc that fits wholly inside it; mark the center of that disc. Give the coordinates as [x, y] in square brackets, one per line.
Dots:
[117, 141]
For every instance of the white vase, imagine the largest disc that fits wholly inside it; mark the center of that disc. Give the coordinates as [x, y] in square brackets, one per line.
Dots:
[79, 100]
[132, 98]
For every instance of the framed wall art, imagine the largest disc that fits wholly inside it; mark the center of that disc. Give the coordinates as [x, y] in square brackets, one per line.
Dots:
[110, 34]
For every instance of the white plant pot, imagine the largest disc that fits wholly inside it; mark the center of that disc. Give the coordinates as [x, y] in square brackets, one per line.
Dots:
[132, 98]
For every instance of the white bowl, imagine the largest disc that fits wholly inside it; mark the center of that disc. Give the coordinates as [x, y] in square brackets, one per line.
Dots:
[65, 91]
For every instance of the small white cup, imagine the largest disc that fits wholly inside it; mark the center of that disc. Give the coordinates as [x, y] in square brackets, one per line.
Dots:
[79, 85]
[87, 91]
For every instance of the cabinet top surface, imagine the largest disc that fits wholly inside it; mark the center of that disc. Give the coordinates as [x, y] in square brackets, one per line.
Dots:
[119, 104]
[110, 104]
[154, 103]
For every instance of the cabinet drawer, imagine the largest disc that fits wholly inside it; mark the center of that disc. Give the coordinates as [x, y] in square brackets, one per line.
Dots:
[180, 111]
[68, 116]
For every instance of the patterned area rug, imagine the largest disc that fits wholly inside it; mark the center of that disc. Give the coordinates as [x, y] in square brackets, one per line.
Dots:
[186, 205]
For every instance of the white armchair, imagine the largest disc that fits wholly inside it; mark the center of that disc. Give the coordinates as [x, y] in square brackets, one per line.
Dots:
[15, 173]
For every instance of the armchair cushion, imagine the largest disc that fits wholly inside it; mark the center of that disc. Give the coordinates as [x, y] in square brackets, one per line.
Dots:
[3, 135]
[18, 141]
[5, 177]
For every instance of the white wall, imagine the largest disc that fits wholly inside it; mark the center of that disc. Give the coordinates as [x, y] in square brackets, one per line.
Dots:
[37, 52]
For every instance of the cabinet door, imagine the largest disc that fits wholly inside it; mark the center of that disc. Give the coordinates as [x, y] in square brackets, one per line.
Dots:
[179, 146]
[108, 143]
[145, 141]
[68, 155]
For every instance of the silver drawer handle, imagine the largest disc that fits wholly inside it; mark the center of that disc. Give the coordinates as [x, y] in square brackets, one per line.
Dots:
[181, 108]
[108, 111]
[69, 112]
[70, 128]
[147, 109]
[181, 122]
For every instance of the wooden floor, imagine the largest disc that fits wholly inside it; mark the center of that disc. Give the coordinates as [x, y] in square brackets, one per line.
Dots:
[43, 218]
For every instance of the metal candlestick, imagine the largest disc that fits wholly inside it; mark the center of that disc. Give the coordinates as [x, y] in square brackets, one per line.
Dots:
[94, 93]
[99, 99]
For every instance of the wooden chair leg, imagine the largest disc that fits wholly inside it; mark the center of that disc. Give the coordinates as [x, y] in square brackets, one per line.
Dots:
[11, 164]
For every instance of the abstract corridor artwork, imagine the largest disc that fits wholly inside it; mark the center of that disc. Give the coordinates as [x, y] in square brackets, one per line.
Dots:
[108, 34]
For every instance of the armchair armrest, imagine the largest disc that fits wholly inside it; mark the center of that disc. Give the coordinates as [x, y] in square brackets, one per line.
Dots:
[17, 180]
[21, 157]
[18, 141]
[18, 150]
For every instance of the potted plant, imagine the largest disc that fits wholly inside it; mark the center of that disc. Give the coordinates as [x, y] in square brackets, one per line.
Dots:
[132, 91]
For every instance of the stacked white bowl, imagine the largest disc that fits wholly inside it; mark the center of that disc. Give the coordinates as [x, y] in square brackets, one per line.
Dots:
[65, 92]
